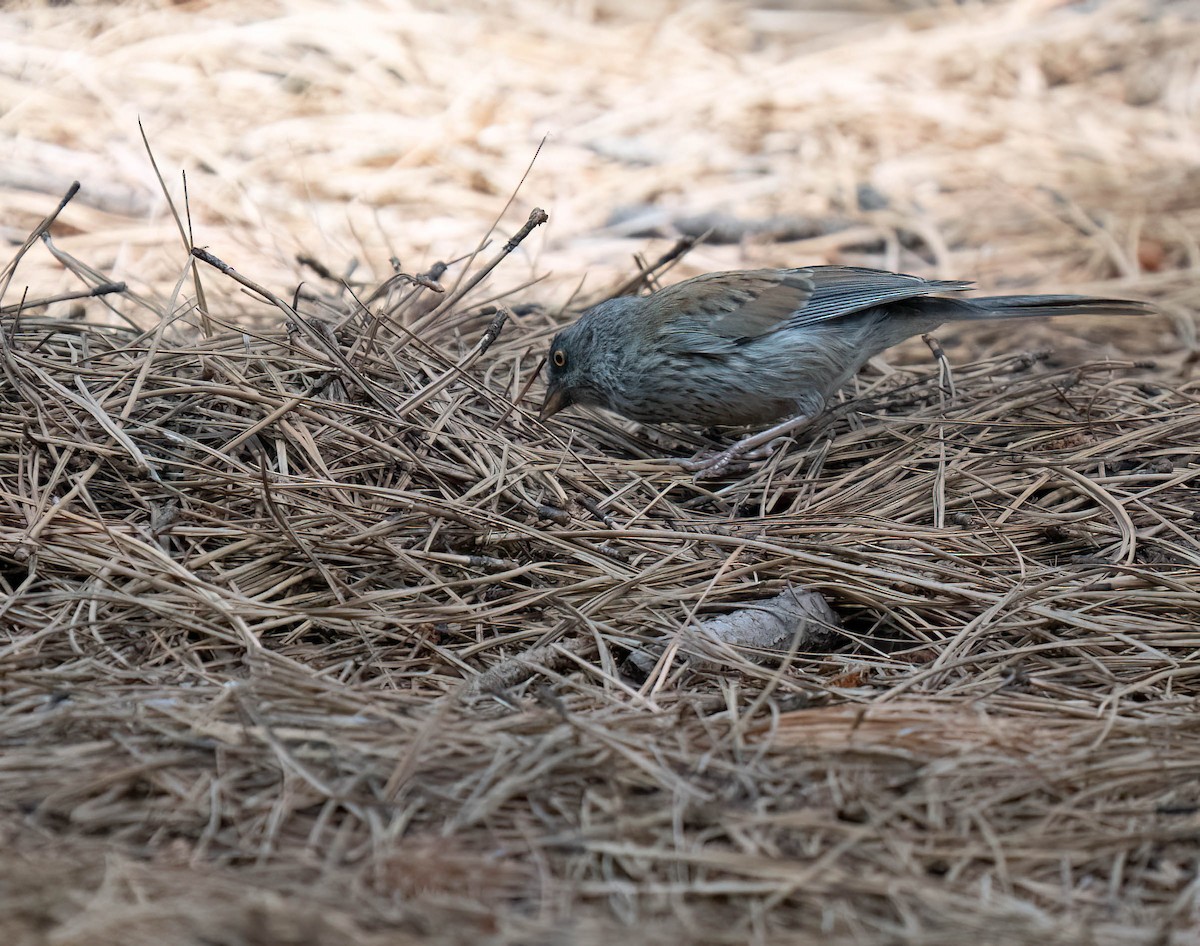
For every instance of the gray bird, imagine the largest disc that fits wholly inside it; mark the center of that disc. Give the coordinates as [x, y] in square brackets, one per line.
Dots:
[756, 346]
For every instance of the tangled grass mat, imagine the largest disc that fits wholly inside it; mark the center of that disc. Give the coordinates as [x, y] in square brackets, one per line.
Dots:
[317, 637]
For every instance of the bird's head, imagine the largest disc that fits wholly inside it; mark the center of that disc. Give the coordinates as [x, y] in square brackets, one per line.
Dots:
[583, 358]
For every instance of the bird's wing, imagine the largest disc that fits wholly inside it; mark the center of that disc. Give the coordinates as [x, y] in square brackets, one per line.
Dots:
[843, 290]
[710, 311]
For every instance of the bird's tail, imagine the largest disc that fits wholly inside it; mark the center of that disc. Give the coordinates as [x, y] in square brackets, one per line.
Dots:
[1026, 307]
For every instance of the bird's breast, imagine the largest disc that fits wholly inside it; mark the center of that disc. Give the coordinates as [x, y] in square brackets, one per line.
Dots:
[703, 391]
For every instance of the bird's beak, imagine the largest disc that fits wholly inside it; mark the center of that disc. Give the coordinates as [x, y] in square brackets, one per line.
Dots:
[556, 399]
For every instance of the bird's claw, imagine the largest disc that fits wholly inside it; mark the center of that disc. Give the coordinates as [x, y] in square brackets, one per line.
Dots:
[709, 467]
[736, 457]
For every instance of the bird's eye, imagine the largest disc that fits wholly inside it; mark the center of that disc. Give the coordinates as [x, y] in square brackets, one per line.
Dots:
[559, 358]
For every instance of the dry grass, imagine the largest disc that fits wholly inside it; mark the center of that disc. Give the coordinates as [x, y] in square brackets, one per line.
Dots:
[309, 637]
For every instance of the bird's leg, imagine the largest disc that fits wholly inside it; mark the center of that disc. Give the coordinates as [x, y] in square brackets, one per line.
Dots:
[715, 465]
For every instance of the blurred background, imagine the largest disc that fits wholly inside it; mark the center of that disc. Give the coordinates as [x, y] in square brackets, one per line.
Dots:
[1025, 144]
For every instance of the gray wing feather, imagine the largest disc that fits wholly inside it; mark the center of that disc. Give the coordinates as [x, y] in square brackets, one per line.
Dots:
[708, 314]
[843, 290]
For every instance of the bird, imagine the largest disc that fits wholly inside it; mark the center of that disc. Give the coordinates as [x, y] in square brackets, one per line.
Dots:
[755, 347]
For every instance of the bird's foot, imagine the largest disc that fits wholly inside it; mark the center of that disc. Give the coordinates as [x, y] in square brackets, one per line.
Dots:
[708, 466]
[736, 459]
[755, 447]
